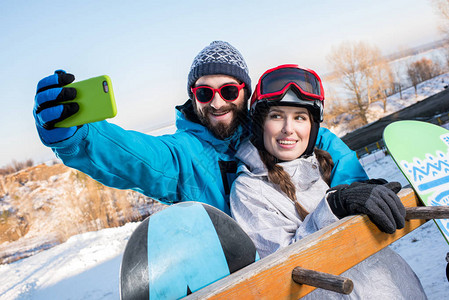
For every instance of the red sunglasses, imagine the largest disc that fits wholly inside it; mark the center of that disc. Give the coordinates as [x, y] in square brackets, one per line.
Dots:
[274, 83]
[228, 92]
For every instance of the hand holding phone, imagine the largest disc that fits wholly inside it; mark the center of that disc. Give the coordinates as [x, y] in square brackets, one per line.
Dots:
[96, 101]
[48, 107]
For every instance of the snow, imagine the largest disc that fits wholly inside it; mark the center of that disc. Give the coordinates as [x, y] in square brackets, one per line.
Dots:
[425, 251]
[87, 265]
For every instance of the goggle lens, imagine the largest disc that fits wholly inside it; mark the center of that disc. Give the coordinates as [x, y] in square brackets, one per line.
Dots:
[279, 80]
[229, 92]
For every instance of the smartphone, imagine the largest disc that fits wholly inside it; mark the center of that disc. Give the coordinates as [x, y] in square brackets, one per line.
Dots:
[96, 101]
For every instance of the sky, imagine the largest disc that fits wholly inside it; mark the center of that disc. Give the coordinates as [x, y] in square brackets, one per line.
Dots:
[147, 47]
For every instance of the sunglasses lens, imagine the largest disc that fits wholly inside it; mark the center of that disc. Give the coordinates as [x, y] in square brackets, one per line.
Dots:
[204, 94]
[229, 92]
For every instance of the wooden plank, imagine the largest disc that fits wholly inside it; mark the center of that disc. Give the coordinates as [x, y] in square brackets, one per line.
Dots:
[332, 250]
[427, 212]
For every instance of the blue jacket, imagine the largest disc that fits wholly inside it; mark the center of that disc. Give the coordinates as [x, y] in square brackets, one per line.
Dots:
[189, 165]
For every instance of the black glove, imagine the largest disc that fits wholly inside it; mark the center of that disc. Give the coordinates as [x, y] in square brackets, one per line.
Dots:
[378, 201]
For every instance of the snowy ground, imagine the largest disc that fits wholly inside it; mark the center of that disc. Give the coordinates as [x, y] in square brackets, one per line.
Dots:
[87, 265]
[84, 267]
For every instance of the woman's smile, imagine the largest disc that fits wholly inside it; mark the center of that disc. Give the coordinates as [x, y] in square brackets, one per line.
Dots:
[287, 131]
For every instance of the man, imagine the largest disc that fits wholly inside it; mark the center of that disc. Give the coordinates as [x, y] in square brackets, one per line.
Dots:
[196, 163]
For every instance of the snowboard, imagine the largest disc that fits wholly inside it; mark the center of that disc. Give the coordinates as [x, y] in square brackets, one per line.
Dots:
[421, 151]
[182, 249]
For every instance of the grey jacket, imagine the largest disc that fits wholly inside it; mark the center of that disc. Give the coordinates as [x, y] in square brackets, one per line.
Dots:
[269, 217]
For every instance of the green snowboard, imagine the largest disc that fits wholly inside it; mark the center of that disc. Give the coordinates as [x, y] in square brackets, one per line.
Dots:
[421, 151]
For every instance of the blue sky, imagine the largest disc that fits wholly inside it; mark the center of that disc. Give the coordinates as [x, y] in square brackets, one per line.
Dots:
[146, 47]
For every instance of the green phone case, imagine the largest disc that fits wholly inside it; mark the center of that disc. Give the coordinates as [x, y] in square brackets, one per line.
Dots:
[96, 101]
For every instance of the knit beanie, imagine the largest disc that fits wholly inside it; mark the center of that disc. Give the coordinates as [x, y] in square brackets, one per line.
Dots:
[219, 58]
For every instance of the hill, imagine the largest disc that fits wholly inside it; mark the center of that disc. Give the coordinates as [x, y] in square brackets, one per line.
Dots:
[43, 206]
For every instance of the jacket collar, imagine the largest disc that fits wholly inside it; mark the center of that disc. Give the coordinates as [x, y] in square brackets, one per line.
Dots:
[302, 170]
[250, 159]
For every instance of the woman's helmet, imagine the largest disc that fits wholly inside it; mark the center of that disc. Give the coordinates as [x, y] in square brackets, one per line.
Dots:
[288, 85]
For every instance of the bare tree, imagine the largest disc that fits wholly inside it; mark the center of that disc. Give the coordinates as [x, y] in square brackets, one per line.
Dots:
[382, 79]
[398, 83]
[348, 60]
[334, 105]
[446, 57]
[422, 70]
[363, 73]
[414, 78]
[16, 166]
[442, 9]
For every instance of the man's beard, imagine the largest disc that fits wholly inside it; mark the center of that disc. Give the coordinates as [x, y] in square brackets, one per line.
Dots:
[220, 130]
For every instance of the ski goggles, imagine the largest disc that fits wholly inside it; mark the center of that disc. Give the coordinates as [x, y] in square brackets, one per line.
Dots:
[228, 92]
[274, 83]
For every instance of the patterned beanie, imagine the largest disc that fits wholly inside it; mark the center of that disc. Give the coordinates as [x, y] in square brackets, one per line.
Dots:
[219, 58]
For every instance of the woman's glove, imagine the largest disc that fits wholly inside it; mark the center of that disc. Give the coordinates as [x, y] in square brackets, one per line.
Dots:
[374, 198]
[48, 109]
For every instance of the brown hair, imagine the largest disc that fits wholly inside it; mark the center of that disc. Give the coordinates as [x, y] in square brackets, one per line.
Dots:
[326, 164]
[277, 175]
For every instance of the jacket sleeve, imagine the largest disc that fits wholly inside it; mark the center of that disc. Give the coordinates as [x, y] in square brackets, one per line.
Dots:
[347, 168]
[124, 159]
[267, 227]
[321, 217]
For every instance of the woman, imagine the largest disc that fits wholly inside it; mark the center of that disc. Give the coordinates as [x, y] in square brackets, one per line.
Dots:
[282, 192]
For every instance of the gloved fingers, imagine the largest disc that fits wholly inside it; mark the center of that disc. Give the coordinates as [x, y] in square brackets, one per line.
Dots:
[52, 97]
[48, 117]
[379, 217]
[48, 109]
[397, 209]
[394, 186]
[391, 205]
[58, 79]
[383, 203]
